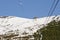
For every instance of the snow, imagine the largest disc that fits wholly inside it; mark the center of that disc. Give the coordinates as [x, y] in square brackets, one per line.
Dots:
[21, 25]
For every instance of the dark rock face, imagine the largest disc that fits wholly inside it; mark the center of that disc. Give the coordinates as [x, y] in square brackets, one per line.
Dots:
[4, 16]
[7, 17]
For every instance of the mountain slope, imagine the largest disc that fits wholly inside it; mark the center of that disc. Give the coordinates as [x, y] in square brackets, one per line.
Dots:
[49, 32]
[22, 26]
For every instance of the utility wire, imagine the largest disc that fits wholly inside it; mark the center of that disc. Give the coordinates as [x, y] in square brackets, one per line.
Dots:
[54, 7]
[50, 10]
[51, 7]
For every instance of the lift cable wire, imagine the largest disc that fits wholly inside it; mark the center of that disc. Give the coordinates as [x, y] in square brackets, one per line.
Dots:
[53, 9]
[50, 11]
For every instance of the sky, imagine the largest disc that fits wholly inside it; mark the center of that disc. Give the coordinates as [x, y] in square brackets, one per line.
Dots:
[27, 8]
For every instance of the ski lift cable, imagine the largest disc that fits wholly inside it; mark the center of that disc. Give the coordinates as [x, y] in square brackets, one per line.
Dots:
[50, 10]
[53, 9]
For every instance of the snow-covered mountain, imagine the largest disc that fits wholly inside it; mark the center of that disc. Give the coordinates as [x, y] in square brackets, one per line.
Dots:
[23, 26]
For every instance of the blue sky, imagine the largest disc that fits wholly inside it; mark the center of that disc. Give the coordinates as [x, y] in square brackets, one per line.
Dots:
[27, 8]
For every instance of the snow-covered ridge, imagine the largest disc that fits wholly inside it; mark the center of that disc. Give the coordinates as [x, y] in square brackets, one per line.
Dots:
[22, 26]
